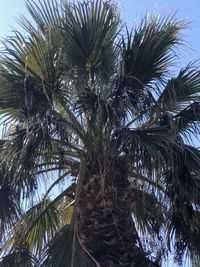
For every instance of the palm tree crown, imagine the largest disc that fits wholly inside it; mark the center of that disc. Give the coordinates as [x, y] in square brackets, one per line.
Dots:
[84, 99]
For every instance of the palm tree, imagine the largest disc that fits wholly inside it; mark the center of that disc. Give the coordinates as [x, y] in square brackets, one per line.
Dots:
[97, 162]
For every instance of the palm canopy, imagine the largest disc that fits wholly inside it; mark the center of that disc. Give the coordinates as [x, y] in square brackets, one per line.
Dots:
[82, 97]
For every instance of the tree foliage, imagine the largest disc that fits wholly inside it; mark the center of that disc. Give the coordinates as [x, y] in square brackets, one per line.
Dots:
[79, 95]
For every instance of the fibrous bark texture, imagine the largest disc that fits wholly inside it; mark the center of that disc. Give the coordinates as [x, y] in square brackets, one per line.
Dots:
[106, 227]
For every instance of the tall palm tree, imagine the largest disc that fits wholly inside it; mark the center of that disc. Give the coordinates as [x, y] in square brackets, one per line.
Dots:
[97, 162]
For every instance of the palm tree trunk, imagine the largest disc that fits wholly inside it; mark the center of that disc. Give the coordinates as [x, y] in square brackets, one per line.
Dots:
[106, 227]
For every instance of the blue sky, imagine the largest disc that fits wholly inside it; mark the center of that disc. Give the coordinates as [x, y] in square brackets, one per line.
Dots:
[132, 12]
[185, 9]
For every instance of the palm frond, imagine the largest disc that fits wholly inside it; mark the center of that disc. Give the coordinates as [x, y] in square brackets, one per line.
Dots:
[188, 119]
[41, 231]
[147, 53]
[148, 212]
[145, 143]
[10, 210]
[46, 14]
[91, 29]
[33, 229]
[20, 257]
[181, 91]
[183, 229]
[60, 250]
[182, 192]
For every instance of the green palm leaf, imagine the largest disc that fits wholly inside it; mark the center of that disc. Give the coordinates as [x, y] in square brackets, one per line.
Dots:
[181, 91]
[60, 250]
[147, 53]
[91, 29]
[20, 257]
